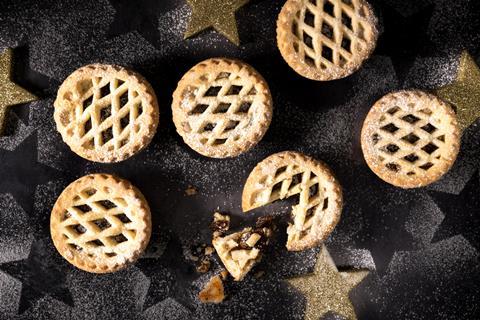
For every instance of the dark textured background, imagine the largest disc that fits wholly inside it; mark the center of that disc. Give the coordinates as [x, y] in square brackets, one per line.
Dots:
[421, 245]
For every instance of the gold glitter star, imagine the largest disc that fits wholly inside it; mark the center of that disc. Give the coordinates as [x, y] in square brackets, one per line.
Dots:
[10, 93]
[327, 289]
[464, 92]
[217, 14]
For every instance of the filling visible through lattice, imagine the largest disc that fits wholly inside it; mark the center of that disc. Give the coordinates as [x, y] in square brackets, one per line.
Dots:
[97, 227]
[289, 181]
[407, 141]
[109, 114]
[222, 108]
[326, 31]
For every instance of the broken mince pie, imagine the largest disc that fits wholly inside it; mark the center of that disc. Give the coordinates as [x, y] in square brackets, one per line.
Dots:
[240, 251]
[292, 174]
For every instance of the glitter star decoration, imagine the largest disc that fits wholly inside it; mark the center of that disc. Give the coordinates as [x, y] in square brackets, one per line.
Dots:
[10, 93]
[464, 92]
[216, 14]
[327, 289]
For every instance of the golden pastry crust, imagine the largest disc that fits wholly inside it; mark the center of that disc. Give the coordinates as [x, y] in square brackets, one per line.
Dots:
[326, 40]
[100, 223]
[240, 251]
[290, 173]
[106, 113]
[222, 107]
[410, 138]
[213, 292]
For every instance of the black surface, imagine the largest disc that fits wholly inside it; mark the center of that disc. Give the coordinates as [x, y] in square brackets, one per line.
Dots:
[423, 266]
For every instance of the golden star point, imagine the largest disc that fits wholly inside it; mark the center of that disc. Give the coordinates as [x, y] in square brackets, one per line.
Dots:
[216, 14]
[10, 93]
[464, 91]
[327, 290]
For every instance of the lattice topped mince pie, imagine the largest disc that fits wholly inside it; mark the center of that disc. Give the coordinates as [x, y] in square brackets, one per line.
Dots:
[410, 138]
[292, 174]
[100, 223]
[222, 107]
[106, 113]
[326, 39]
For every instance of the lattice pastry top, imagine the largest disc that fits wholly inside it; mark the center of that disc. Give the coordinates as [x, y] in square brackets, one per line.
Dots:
[410, 138]
[287, 174]
[100, 223]
[222, 107]
[106, 113]
[326, 39]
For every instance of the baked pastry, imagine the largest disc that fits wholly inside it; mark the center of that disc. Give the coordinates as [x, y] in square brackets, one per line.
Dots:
[213, 292]
[241, 250]
[326, 39]
[106, 113]
[287, 174]
[410, 138]
[100, 223]
[222, 107]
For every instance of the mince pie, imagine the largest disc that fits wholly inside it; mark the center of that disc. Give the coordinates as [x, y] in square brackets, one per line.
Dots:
[326, 39]
[106, 113]
[292, 174]
[222, 107]
[100, 223]
[410, 138]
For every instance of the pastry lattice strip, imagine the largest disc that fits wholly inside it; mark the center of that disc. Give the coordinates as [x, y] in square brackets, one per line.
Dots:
[407, 140]
[221, 107]
[330, 33]
[92, 224]
[108, 114]
[291, 180]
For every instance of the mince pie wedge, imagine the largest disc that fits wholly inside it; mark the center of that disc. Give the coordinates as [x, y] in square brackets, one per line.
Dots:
[292, 174]
[222, 107]
[100, 223]
[410, 138]
[106, 113]
[240, 251]
[326, 39]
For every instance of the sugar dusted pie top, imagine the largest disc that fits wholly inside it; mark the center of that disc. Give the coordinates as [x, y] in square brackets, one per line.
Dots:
[100, 223]
[222, 107]
[326, 39]
[106, 113]
[410, 138]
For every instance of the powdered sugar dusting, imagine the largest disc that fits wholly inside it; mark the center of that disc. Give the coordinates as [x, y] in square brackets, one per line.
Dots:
[15, 231]
[15, 132]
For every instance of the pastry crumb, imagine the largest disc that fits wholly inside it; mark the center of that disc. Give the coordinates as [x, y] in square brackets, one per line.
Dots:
[213, 291]
[191, 191]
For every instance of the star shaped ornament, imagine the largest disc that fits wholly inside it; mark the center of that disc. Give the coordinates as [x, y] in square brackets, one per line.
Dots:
[20, 173]
[464, 92]
[40, 274]
[216, 14]
[10, 93]
[404, 38]
[462, 213]
[327, 289]
[141, 16]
